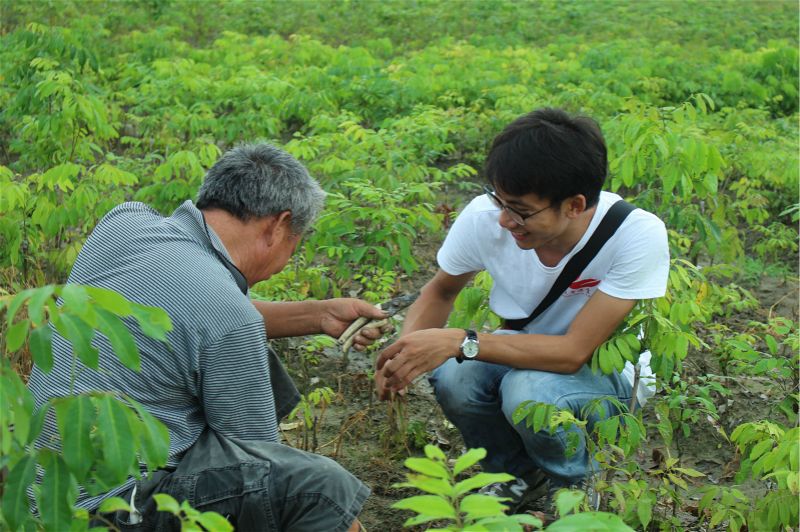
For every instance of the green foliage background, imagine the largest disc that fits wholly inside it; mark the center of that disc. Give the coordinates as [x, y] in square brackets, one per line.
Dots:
[392, 105]
[388, 103]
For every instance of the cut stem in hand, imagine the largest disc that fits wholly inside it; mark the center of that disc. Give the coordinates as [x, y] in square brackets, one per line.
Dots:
[391, 307]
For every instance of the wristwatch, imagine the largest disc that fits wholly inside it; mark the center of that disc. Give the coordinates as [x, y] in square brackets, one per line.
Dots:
[469, 347]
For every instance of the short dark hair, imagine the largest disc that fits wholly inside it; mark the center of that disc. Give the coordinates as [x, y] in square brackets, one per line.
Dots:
[551, 154]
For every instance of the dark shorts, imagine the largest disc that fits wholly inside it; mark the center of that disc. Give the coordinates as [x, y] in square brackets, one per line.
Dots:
[255, 485]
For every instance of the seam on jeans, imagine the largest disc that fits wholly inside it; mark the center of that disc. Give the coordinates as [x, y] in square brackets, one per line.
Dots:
[594, 396]
[266, 502]
[358, 502]
[232, 492]
[263, 485]
[262, 497]
[317, 496]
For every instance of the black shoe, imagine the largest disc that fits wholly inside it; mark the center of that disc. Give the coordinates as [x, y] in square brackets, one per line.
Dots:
[519, 492]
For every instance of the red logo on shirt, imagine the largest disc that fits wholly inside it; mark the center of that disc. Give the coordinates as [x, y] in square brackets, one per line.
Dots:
[582, 286]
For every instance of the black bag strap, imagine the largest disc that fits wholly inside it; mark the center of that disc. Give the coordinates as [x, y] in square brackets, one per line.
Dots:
[608, 226]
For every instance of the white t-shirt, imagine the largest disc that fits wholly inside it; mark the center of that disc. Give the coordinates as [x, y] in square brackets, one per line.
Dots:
[633, 264]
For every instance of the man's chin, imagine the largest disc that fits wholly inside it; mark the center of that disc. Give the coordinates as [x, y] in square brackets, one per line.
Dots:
[523, 242]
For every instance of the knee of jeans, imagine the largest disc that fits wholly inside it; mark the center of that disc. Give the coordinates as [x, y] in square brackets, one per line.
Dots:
[315, 474]
[327, 497]
[459, 385]
[533, 389]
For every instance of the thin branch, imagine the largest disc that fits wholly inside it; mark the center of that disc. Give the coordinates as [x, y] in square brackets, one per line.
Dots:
[635, 388]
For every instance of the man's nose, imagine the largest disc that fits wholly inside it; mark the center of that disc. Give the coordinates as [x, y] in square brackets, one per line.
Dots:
[505, 220]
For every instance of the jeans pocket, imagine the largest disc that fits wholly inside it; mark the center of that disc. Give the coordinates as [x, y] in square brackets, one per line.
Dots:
[239, 493]
[213, 485]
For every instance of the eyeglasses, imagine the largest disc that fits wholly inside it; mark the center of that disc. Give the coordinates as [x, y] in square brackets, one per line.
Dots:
[516, 216]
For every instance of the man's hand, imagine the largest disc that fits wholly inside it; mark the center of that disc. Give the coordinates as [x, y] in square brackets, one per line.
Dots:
[414, 354]
[381, 389]
[339, 313]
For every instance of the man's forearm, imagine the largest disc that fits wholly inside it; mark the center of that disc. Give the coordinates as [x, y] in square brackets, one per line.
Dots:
[291, 318]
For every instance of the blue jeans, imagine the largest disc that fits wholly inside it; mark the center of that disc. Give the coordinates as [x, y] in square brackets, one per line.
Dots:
[257, 486]
[479, 398]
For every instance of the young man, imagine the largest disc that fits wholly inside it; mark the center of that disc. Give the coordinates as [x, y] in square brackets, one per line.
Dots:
[546, 171]
[217, 385]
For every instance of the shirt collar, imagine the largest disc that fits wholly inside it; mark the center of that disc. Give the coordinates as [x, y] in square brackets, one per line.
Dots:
[192, 218]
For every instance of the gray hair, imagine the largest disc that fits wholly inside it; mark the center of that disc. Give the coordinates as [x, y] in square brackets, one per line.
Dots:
[258, 180]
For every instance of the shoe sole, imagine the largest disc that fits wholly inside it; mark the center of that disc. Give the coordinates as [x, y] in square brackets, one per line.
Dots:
[538, 489]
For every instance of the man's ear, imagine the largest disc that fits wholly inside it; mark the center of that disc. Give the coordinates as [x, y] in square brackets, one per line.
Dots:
[277, 227]
[574, 205]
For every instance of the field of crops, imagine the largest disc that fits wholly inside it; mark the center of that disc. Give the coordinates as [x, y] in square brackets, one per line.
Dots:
[391, 106]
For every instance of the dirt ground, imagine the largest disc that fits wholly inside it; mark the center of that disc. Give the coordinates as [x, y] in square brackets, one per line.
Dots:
[372, 440]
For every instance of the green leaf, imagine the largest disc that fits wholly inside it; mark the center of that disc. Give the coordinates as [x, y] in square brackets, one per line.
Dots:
[153, 438]
[760, 448]
[434, 486]
[502, 523]
[644, 509]
[717, 517]
[37, 303]
[116, 437]
[76, 300]
[434, 453]
[36, 423]
[16, 304]
[419, 519]
[18, 404]
[57, 494]
[75, 416]
[590, 522]
[214, 521]
[114, 504]
[80, 336]
[15, 495]
[120, 338]
[110, 300]
[541, 415]
[428, 505]
[689, 472]
[165, 503]
[567, 501]
[772, 345]
[468, 459]
[478, 505]
[606, 365]
[41, 346]
[153, 321]
[16, 334]
[480, 480]
[188, 511]
[427, 467]
[678, 481]
[626, 171]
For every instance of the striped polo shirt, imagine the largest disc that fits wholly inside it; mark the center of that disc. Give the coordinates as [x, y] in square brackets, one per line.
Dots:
[215, 370]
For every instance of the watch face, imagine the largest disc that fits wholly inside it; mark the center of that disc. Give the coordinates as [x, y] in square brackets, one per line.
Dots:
[470, 349]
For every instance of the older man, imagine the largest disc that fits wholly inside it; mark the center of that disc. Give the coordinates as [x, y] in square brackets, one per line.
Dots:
[217, 386]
